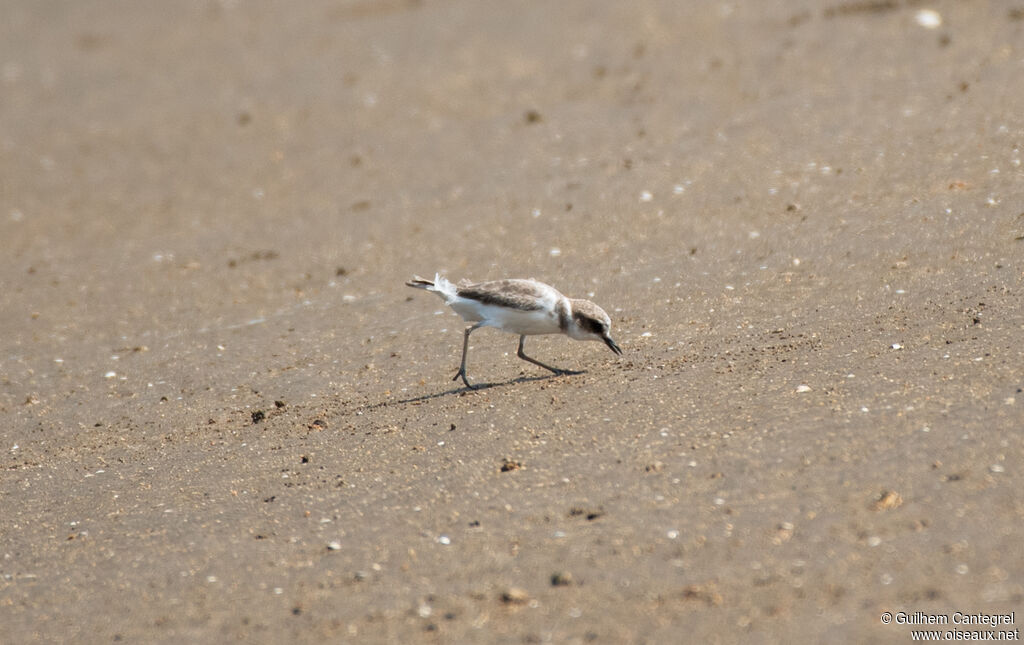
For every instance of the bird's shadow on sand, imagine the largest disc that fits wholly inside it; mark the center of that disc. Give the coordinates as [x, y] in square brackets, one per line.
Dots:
[482, 387]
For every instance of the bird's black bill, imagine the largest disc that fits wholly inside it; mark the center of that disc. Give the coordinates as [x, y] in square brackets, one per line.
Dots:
[612, 345]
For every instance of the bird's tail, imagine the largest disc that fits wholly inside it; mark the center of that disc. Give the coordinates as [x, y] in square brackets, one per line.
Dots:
[438, 285]
[420, 283]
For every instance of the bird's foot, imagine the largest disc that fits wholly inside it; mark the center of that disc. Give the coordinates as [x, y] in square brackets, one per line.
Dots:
[462, 374]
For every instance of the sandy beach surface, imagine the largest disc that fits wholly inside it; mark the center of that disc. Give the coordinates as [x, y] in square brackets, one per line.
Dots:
[224, 418]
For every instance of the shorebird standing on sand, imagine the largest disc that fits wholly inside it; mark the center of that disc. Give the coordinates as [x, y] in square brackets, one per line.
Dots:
[524, 307]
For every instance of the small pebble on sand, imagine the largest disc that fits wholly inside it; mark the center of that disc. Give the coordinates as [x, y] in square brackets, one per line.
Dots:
[515, 596]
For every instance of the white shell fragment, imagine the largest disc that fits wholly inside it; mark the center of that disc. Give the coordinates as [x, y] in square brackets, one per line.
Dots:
[928, 18]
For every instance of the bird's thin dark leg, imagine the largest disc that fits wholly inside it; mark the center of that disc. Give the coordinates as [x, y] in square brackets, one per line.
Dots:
[465, 350]
[522, 355]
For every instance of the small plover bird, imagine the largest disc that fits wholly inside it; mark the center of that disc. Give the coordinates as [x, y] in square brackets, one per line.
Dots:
[524, 307]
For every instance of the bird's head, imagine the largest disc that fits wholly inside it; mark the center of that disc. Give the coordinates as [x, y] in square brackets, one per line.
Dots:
[590, 322]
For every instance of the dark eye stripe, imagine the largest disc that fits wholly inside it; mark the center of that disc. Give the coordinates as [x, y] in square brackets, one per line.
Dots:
[592, 325]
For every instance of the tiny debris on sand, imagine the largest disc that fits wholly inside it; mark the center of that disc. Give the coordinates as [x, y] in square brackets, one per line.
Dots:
[887, 501]
[515, 596]
[508, 465]
[706, 593]
[589, 514]
[561, 579]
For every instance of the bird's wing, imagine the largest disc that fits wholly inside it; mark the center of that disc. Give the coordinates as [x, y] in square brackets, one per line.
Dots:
[528, 295]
